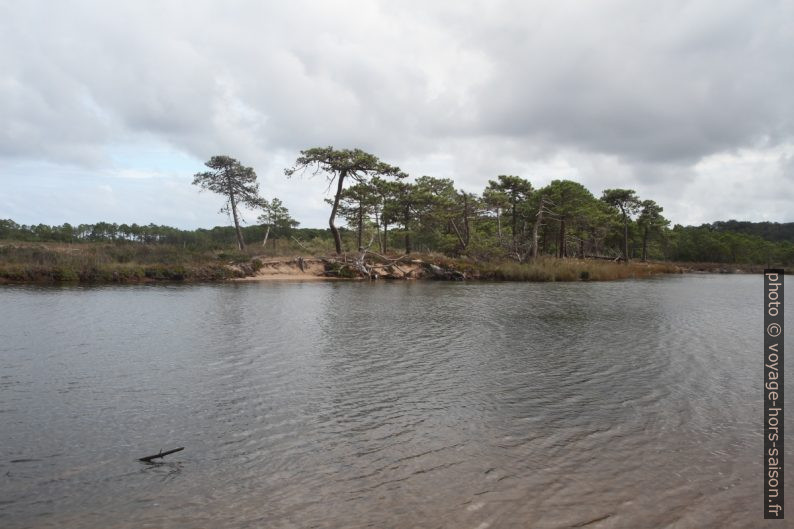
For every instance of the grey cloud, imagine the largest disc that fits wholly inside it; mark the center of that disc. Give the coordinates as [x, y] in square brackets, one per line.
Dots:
[673, 82]
[633, 94]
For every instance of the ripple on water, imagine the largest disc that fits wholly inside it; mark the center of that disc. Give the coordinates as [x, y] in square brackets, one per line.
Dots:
[620, 404]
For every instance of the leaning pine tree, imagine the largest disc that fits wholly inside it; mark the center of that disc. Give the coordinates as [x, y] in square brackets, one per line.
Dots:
[237, 183]
[340, 165]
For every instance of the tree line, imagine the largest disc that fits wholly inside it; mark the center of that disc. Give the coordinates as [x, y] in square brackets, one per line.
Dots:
[109, 232]
[381, 210]
[510, 219]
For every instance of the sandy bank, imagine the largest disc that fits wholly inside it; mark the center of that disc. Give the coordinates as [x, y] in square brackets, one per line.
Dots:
[314, 269]
[310, 269]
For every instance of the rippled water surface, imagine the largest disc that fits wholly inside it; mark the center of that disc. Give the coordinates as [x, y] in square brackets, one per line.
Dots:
[631, 404]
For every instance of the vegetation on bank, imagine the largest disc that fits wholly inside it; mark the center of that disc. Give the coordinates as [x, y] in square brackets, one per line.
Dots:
[511, 230]
[138, 263]
[727, 245]
[128, 263]
[547, 269]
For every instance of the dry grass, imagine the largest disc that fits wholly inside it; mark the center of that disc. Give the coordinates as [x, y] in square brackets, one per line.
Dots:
[123, 263]
[127, 263]
[728, 268]
[552, 269]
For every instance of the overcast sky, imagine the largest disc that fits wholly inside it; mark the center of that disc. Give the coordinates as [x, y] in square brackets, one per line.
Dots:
[107, 109]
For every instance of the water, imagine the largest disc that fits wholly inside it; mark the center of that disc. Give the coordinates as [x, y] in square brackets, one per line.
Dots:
[631, 404]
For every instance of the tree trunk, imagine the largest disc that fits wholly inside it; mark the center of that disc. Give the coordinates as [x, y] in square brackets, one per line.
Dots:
[331, 224]
[406, 223]
[462, 242]
[513, 213]
[360, 225]
[625, 237]
[264, 242]
[538, 221]
[377, 227]
[240, 242]
[466, 229]
[645, 245]
[499, 225]
[561, 252]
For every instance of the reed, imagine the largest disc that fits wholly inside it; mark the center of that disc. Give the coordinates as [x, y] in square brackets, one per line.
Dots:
[552, 269]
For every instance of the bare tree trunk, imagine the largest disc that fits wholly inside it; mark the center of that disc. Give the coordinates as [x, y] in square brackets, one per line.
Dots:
[334, 229]
[499, 225]
[538, 221]
[645, 245]
[360, 224]
[264, 242]
[561, 251]
[463, 243]
[240, 242]
[406, 223]
[377, 228]
[513, 227]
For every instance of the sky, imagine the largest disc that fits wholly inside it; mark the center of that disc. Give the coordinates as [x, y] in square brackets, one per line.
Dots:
[107, 109]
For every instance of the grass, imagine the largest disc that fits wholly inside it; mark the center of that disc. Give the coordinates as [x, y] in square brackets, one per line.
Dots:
[119, 263]
[547, 269]
[730, 268]
[135, 263]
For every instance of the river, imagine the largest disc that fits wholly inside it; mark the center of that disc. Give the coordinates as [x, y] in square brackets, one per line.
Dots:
[626, 404]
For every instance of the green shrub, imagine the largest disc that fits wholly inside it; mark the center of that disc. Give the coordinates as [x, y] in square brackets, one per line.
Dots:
[64, 274]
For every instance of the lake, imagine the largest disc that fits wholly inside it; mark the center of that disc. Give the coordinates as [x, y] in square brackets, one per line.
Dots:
[628, 404]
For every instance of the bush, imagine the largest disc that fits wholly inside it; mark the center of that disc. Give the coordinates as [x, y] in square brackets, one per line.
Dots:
[64, 274]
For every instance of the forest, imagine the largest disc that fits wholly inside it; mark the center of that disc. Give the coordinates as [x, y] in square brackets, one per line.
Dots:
[719, 242]
[376, 209]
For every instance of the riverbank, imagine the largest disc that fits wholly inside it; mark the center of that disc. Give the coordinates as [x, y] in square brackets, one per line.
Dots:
[725, 268]
[437, 267]
[146, 263]
[117, 263]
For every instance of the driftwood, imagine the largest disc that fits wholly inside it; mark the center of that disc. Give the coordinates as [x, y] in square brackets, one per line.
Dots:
[447, 274]
[357, 266]
[148, 459]
[299, 243]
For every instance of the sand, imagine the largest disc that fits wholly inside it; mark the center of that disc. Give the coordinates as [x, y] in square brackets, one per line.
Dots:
[287, 269]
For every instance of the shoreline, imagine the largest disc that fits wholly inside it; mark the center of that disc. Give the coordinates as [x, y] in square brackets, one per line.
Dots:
[94, 264]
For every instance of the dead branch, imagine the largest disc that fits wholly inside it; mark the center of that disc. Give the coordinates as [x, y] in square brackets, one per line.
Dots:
[148, 459]
[299, 243]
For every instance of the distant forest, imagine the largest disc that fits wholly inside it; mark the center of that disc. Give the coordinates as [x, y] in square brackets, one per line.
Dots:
[721, 242]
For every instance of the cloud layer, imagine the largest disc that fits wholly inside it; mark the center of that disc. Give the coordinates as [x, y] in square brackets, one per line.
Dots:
[687, 102]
